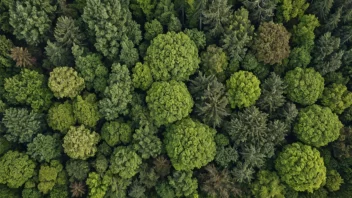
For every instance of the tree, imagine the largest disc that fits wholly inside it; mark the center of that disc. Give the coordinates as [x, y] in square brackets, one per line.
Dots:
[48, 176]
[129, 54]
[168, 102]
[85, 110]
[77, 169]
[342, 147]
[28, 87]
[57, 55]
[272, 96]
[124, 162]
[189, 144]
[301, 167]
[299, 57]
[162, 166]
[65, 82]
[5, 51]
[91, 68]
[152, 29]
[321, 8]
[44, 148]
[22, 57]
[217, 16]
[67, 33]
[304, 86]
[214, 62]
[216, 183]
[210, 99]
[251, 63]
[243, 89]
[226, 156]
[303, 33]
[80, 143]
[77, 189]
[21, 125]
[317, 126]
[289, 9]
[336, 97]
[271, 45]
[326, 53]
[116, 132]
[15, 169]
[198, 37]
[183, 62]
[109, 22]
[118, 93]
[164, 11]
[141, 76]
[267, 185]
[333, 180]
[60, 116]
[260, 10]
[97, 184]
[237, 37]
[183, 183]
[31, 20]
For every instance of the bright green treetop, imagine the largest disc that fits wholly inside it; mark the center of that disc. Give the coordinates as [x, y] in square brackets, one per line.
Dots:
[116, 132]
[65, 82]
[317, 126]
[268, 185]
[301, 167]
[125, 162]
[15, 169]
[80, 143]
[337, 98]
[169, 102]
[60, 116]
[172, 56]
[29, 87]
[85, 110]
[189, 144]
[141, 76]
[304, 86]
[48, 176]
[243, 89]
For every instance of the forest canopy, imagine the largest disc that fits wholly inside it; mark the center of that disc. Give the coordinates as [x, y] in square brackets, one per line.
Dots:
[176, 98]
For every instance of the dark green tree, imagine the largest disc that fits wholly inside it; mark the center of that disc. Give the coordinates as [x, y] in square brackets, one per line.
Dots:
[60, 116]
[152, 29]
[22, 125]
[44, 148]
[125, 162]
[260, 10]
[77, 169]
[183, 183]
[118, 93]
[214, 62]
[116, 132]
[67, 32]
[216, 17]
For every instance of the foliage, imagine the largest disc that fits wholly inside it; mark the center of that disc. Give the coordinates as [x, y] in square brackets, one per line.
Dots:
[116, 132]
[333, 180]
[214, 62]
[260, 10]
[210, 99]
[198, 37]
[250, 63]
[29, 87]
[183, 62]
[243, 89]
[57, 55]
[21, 125]
[271, 45]
[4, 145]
[117, 94]
[109, 22]
[267, 185]
[5, 51]
[44, 148]
[67, 32]
[225, 156]
[337, 98]
[85, 110]
[168, 102]
[98, 185]
[342, 148]
[48, 175]
[22, 57]
[77, 189]
[299, 57]
[189, 144]
[327, 57]
[272, 96]
[304, 86]
[65, 82]
[216, 16]
[183, 183]
[15, 169]
[80, 143]
[77, 169]
[152, 29]
[317, 126]
[92, 70]
[31, 20]
[290, 9]
[125, 162]
[301, 167]
[303, 33]
[141, 76]
[60, 116]
[162, 166]
[216, 183]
